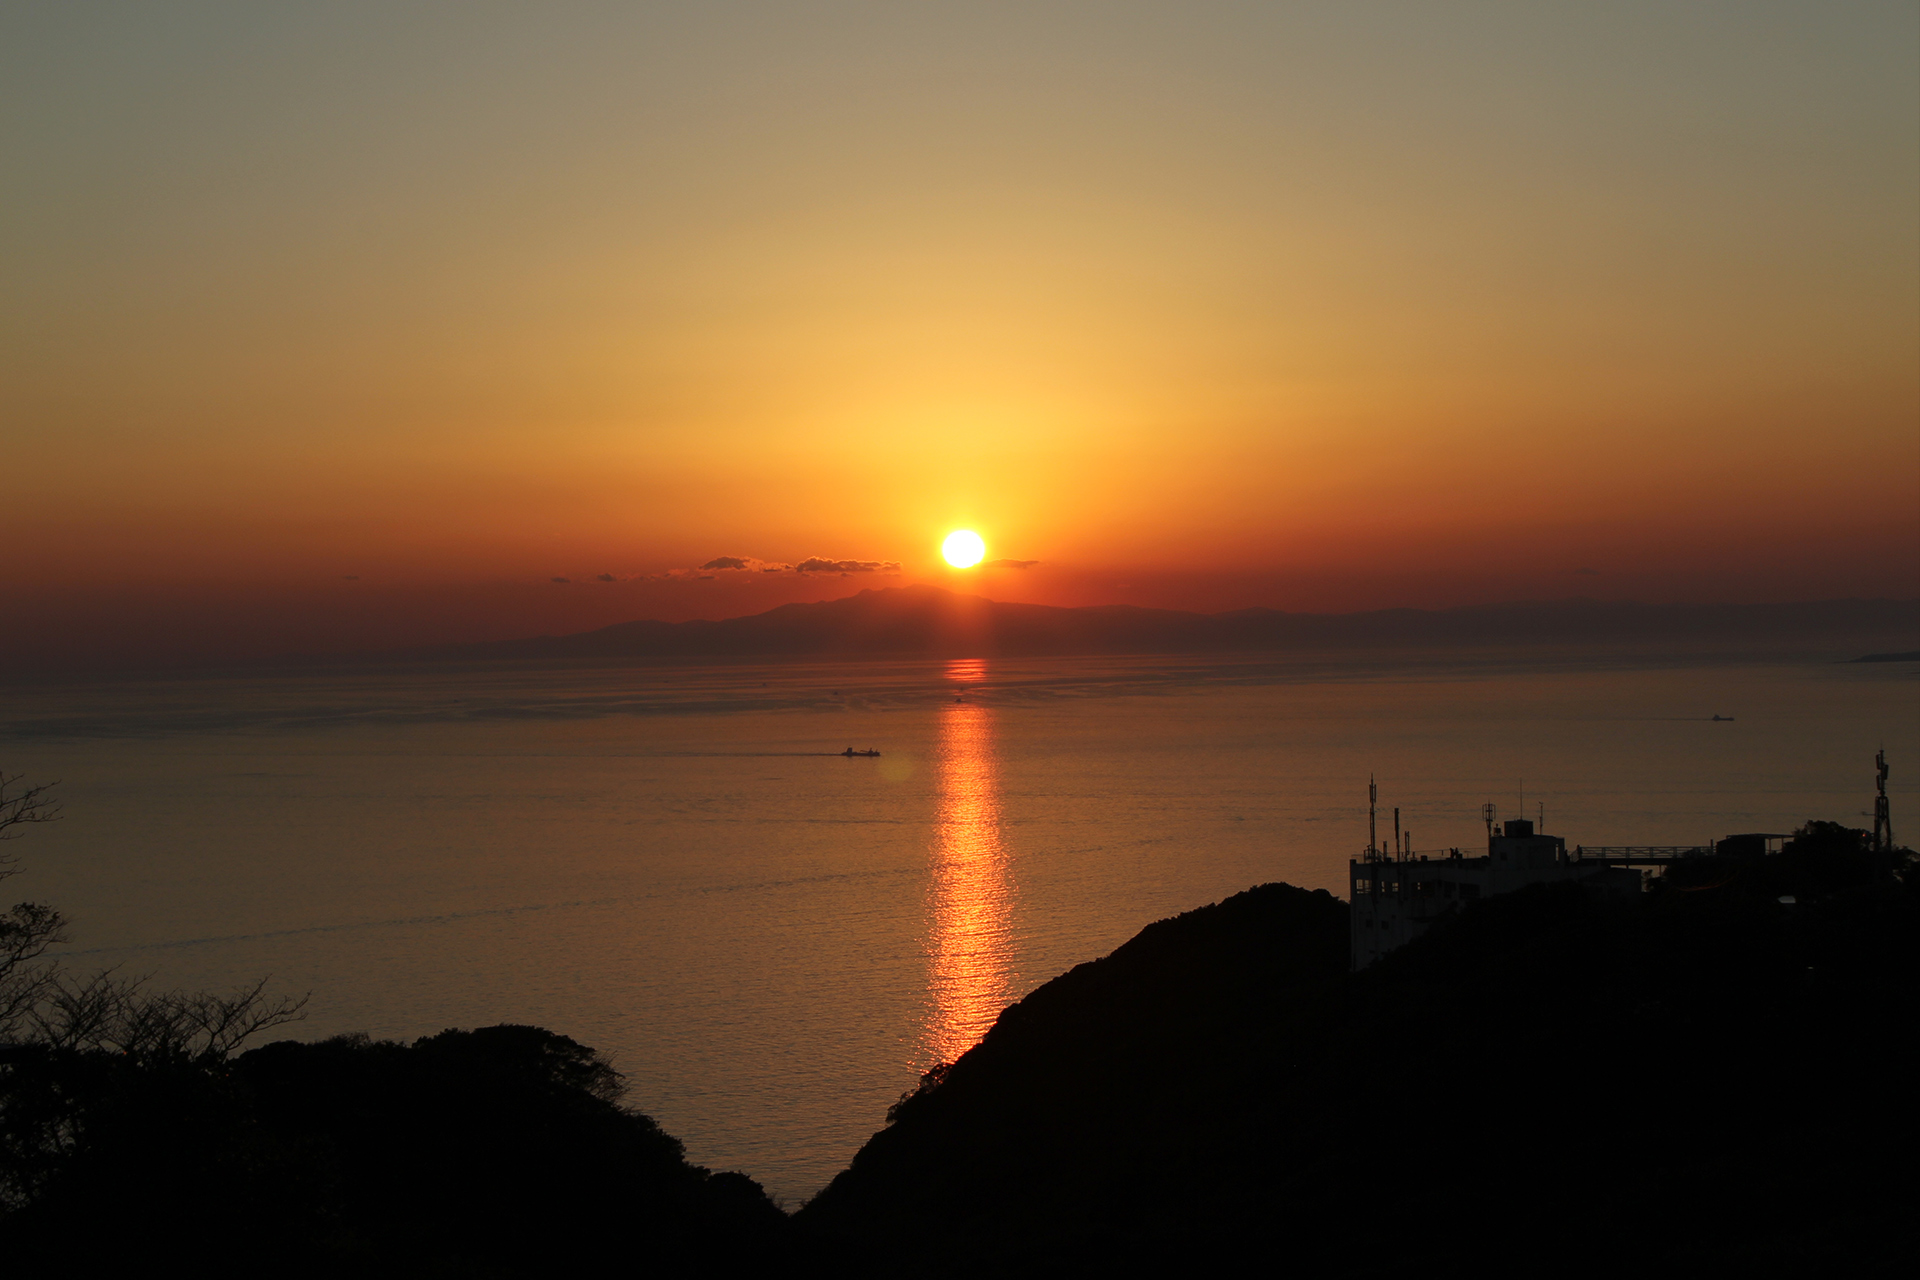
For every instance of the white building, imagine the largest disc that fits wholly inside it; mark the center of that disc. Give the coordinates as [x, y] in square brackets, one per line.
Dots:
[1396, 897]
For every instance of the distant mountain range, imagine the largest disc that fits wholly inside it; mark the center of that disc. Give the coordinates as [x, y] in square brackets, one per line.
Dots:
[929, 621]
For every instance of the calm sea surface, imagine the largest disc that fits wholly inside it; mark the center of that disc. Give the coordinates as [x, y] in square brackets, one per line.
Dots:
[772, 941]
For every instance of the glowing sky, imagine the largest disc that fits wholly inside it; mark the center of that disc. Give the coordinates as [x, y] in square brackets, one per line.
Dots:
[1205, 304]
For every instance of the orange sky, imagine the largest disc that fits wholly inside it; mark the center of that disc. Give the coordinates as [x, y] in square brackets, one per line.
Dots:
[1206, 305]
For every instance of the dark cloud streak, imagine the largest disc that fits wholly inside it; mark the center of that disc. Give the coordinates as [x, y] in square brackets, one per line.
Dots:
[821, 564]
[720, 566]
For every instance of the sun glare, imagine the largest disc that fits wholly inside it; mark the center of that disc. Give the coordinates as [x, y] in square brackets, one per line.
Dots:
[963, 549]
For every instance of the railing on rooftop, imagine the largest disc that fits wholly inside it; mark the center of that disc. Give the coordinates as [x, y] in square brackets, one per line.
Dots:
[1638, 852]
[1431, 855]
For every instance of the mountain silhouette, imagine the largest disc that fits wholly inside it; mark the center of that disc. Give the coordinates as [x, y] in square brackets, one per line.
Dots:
[931, 621]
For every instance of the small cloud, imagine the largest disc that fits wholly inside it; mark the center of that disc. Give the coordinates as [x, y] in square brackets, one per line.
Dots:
[820, 564]
[1592, 573]
[720, 565]
[563, 579]
[738, 564]
[606, 577]
[1009, 564]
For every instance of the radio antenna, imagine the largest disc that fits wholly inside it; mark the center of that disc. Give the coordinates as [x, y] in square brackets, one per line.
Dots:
[1373, 805]
[1882, 816]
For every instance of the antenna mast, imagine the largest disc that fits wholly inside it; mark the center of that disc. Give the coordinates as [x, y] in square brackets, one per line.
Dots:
[1882, 816]
[1373, 803]
[1396, 832]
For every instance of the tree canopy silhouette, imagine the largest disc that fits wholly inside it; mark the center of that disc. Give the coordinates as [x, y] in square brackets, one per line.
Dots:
[497, 1151]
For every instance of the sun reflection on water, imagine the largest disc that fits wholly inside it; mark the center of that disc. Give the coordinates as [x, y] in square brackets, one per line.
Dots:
[970, 895]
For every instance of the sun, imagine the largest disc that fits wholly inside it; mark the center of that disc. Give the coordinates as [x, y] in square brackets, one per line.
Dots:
[963, 549]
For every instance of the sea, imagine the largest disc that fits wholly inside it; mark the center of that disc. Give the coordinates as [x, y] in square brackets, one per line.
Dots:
[679, 866]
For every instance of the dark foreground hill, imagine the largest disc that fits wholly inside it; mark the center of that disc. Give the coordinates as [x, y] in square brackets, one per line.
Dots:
[496, 1152]
[924, 620]
[1709, 1077]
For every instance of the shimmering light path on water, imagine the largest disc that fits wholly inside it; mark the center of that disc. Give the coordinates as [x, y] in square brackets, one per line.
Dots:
[772, 940]
[971, 955]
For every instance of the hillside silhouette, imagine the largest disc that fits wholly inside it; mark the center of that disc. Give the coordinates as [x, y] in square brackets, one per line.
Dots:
[930, 621]
[496, 1152]
[1705, 1077]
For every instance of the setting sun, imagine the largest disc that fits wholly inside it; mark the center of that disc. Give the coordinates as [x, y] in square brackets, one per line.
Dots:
[963, 549]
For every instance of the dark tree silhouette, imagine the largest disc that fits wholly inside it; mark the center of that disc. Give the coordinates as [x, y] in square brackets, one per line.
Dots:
[500, 1151]
[21, 805]
[27, 929]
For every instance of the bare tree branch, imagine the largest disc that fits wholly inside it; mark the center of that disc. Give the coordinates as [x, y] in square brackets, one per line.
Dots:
[105, 1012]
[26, 932]
[42, 1004]
[22, 806]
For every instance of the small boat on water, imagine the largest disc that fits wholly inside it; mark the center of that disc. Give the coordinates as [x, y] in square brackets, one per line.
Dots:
[1724, 719]
[851, 752]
